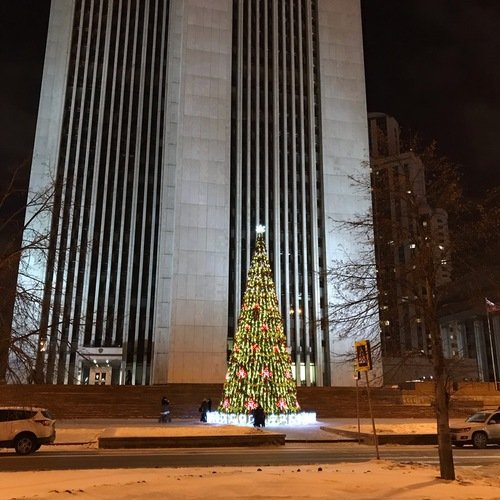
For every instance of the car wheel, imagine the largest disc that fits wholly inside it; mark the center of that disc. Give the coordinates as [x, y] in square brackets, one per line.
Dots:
[479, 440]
[25, 444]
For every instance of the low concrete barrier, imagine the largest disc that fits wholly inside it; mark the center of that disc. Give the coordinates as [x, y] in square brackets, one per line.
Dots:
[367, 438]
[260, 439]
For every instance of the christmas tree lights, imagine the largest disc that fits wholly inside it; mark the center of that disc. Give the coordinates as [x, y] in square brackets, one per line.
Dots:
[260, 371]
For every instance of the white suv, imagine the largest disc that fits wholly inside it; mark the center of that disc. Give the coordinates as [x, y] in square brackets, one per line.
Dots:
[479, 429]
[26, 428]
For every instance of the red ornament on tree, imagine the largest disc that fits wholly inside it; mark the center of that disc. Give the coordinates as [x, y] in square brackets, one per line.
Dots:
[266, 373]
[250, 405]
[241, 373]
[256, 310]
[281, 404]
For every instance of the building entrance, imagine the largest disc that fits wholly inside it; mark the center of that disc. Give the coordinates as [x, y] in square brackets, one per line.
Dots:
[100, 375]
[101, 366]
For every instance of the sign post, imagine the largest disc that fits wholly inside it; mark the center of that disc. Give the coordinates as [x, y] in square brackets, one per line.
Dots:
[364, 364]
[356, 376]
[491, 307]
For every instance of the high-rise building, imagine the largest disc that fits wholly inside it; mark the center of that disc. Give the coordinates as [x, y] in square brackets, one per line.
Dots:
[402, 214]
[171, 128]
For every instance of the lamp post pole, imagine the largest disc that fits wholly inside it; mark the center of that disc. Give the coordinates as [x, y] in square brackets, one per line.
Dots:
[490, 332]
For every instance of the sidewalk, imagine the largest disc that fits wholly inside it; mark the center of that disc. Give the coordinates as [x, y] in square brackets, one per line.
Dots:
[139, 433]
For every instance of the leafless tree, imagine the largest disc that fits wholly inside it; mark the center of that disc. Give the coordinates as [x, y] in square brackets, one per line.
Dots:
[24, 251]
[412, 265]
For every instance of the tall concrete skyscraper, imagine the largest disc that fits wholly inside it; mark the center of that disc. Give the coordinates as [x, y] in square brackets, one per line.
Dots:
[401, 209]
[173, 128]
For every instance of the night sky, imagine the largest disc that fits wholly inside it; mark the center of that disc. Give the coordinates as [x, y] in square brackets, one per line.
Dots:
[432, 64]
[435, 66]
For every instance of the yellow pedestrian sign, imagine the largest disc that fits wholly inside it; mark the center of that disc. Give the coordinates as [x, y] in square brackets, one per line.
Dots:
[363, 356]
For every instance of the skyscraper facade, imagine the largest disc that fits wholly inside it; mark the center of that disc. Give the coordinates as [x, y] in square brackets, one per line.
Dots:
[171, 129]
[401, 209]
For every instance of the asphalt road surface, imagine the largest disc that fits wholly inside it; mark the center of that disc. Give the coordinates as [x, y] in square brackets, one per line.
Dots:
[290, 454]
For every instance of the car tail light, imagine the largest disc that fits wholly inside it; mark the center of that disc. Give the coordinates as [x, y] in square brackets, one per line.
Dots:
[43, 422]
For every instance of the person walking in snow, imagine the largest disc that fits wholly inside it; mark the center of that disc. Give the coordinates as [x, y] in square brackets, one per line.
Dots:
[203, 410]
[165, 411]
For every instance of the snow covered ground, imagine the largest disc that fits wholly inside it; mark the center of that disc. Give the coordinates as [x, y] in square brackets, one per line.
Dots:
[393, 428]
[353, 481]
[375, 479]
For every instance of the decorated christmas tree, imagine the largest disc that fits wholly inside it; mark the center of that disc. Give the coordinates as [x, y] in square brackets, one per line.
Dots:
[259, 371]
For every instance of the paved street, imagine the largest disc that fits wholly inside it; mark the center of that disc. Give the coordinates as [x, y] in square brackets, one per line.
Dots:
[290, 454]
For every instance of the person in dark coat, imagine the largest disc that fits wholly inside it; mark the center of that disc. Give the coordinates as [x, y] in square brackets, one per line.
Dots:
[203, 410]
[259, 416]
[165, 411]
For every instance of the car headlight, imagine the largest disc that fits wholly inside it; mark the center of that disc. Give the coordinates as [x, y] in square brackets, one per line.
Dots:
[463, 429]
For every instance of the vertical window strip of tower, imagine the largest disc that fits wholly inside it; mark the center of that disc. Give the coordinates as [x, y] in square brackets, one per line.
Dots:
[125, 186]
[78, 102]
[312, 136]
[281, 114]
[323, 345]
[103, 257]
[235, 193]
[112, 125]
[275, 166]
[159, 87]
[130, 187]
[74, 314]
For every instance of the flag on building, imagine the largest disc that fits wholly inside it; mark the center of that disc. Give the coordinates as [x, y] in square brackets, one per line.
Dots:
[491, 306]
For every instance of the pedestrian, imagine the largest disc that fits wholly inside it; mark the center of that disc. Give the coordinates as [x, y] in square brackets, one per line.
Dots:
[203, 410]
[165, 411]
[259, 416]
[209, 405]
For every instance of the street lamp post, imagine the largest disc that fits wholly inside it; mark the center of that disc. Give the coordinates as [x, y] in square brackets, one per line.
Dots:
[491, 307]
[492, 352]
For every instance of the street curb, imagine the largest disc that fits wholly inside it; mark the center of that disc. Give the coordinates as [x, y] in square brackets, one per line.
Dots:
[190, 441]
[73, 443]
[408, 439]
[338, 440]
